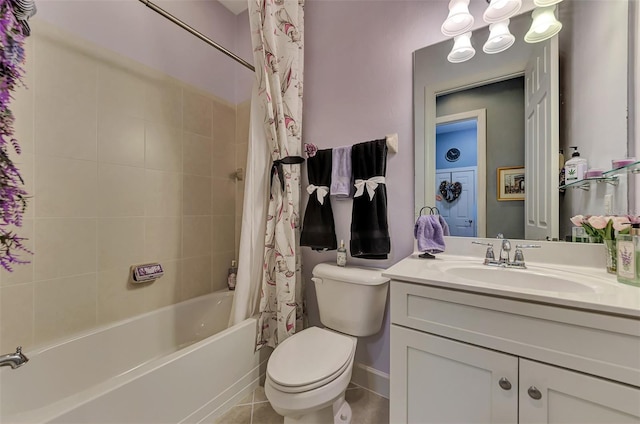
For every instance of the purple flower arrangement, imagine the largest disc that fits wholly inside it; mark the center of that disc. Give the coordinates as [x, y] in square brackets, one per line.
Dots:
[13, 198]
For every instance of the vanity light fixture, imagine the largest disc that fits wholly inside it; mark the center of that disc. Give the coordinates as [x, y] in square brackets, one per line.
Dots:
[500, 39]
[499, 10]
[544, 25]
[545, 3]
[459, 19]
[462, 49]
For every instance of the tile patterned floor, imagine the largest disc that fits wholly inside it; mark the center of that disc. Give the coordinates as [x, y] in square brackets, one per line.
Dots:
[367, 408]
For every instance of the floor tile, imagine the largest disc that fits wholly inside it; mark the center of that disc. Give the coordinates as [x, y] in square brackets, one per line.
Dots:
[248, 400]
[367, 407]
[263, 413]
[259, 395]
[237, 415]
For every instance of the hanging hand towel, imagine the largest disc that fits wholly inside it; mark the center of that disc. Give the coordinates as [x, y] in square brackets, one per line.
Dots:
[369, 227]
[429, 233]
[445, 226]
[318, 228]
[341, 176]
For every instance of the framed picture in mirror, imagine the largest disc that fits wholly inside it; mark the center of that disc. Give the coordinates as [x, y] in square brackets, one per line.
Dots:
[510, 183]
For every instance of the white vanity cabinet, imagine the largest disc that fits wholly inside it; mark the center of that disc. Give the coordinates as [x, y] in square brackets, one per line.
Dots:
[460, 357]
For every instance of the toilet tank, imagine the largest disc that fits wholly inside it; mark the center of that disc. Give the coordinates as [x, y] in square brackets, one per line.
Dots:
[351, 300]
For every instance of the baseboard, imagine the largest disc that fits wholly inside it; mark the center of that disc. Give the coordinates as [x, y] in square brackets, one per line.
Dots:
[371, 379]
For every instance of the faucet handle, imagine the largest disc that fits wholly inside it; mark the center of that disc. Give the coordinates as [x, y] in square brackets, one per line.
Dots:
[518, 257]
[489, 255]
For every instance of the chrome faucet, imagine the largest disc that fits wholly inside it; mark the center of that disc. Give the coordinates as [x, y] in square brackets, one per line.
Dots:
[504, 259]
[13, 360]
[504, 251]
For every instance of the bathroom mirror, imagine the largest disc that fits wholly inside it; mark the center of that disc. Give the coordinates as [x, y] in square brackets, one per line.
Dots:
[593, 51]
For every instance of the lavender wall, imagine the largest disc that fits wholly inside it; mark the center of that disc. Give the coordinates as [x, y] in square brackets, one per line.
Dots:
[129, 28]
[358, 87]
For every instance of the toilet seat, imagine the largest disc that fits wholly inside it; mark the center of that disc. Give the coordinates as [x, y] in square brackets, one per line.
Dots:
[310, 359]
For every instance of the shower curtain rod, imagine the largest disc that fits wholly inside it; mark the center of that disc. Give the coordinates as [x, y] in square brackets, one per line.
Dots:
[197, 33]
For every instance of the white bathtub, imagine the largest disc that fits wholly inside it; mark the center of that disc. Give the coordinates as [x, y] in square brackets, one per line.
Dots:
[176, 364]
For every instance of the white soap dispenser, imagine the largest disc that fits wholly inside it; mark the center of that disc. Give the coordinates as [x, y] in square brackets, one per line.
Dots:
[575, 168]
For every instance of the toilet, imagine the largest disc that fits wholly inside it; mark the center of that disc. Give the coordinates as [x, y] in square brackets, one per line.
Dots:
[308, 373]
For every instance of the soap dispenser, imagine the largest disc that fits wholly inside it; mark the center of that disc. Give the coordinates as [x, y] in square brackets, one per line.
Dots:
[575, 168]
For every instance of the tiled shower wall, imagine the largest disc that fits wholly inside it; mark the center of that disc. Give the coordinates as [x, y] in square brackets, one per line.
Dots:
[124, 166]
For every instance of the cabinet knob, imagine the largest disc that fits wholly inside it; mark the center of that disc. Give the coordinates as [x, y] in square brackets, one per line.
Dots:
[504, 384]
[534, 393]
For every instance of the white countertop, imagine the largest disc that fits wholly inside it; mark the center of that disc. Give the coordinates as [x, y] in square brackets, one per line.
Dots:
[607, 294]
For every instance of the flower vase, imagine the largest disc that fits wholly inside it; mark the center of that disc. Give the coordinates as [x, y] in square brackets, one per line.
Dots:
[612, 256]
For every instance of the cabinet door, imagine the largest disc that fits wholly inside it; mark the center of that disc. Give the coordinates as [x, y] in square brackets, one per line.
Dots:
[437, 380]
[555, 395]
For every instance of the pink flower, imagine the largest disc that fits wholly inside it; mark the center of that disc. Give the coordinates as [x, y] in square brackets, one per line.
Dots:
[620, 222]
[577, 220]
[598, 222]
[310, 149]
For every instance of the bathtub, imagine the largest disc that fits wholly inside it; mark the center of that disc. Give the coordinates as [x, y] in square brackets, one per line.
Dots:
[176, 364]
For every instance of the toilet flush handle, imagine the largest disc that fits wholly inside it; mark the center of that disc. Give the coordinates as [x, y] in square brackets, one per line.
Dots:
[316, 280]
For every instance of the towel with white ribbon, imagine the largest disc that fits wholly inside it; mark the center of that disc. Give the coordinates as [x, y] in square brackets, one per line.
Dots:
[321, 192]
[369, 227]
[371, 184]
[318, 228]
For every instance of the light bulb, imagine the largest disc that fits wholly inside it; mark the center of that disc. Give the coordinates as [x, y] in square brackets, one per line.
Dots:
[500, 39]
[499, 10]
[462, 49]
[544, 25]
[459, 19]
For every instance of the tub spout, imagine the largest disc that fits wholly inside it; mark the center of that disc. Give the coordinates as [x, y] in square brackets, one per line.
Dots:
[13, 360]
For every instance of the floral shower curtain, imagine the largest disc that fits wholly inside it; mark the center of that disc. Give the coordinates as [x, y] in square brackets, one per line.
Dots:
[277, 38]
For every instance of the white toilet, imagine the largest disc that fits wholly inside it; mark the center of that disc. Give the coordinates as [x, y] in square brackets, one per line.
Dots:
[308, 373]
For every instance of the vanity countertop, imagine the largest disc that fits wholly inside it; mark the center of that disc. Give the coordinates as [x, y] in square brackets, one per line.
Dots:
[604, 293]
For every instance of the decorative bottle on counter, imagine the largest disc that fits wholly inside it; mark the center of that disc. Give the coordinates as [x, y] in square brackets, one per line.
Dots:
[628, 248]
[231, 276]
[342, 254]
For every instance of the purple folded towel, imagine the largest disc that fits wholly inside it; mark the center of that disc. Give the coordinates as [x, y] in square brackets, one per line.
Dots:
[341, 172]
[429, 233]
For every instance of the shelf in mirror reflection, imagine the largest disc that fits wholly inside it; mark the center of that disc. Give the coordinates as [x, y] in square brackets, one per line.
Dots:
[585, 184]
[632, 168]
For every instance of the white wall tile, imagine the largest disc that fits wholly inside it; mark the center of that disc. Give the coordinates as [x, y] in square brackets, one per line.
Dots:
[163, 193]
[198, 113]
[64, 306]
[65, 129]
[16, 317]
[120, 139]
[163, 147]
[65, 187]
[163, 238]
[120, 90]
[196, 276]
[196, 238]
[196, 154]
[197, 195]
[116, 298]
[64, 247]
[120, 242]
[121, 190]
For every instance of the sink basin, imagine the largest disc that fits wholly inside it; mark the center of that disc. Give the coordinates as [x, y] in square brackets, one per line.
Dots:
[540, 279]
[525, 279]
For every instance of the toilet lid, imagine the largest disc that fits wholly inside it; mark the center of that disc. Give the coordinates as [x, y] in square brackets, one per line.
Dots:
[309, 357]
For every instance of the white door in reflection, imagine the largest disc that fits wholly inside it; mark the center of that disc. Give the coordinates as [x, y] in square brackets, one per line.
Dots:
[460, 213]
